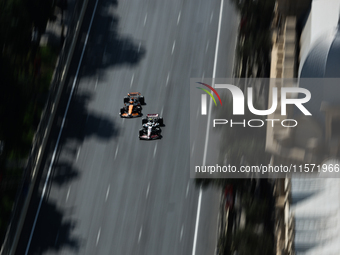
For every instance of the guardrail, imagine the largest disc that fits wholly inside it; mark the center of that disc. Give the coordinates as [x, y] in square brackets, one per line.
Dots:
[41, 136]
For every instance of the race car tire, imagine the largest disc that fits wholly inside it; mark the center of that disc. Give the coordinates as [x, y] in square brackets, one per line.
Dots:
[122, 110]
[141, 100]
[141, 132]
[144, 121]
[126, 100]
[160, 121]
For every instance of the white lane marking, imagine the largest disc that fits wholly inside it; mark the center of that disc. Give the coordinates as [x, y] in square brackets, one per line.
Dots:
[146, 16]
[139, 46]
[133, 76]
[197, 221]
[186, 193]
[98, 236]
[95, 87]
[167, 79]
[68, 193]
[78, 152]
[56, 239]
[59, 135]
[116, 151]
[208, 127]
[107, 193]
[180, 239]
[147, 190]
[154, 151]
[179, 17]
[140, 233]
[206, 47]
[192, 148]
[162, 111]
[211, 16]
[173, 47]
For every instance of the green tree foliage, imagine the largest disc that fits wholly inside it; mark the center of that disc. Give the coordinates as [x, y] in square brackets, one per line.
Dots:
[19, 89]
[40, 11]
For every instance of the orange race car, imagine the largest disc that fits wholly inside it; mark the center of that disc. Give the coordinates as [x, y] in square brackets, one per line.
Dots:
[132, 105]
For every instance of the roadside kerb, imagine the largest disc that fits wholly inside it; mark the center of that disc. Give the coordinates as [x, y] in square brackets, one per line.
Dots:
[9, 248]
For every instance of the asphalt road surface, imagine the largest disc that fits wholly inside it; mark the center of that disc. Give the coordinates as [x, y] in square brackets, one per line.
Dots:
[108, 192]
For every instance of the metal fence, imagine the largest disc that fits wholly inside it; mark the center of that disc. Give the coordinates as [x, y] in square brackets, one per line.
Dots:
[39, 142]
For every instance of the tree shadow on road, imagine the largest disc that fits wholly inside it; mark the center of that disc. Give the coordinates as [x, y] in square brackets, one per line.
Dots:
[53, 232]
[107, 47]
[85, 124]
[64, 173]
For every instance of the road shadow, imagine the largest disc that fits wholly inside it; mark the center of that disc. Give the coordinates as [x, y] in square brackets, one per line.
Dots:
[64, 173]
[83, 123]
[108, 47]
[53, 232]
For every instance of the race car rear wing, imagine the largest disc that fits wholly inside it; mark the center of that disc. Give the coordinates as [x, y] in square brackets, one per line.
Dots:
[153, 115]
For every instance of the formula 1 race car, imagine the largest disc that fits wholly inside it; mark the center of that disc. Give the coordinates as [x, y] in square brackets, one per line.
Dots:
[135, 95]
[151, 127]
[153, 118]
[132, 105]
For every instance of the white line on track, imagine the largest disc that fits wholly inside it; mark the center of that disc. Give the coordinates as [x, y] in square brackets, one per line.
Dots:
[197, 221]
[179, 17]
[60, 132]
[68, 193]
[78, 152]
[140, 233]
[154, 151]
[146, 16]
[173, 47]
[162, 111]
[133, 77]
[208, 125]
[116, 151]
[211, 16]
[95, 87]
[167, 79]
[107, 193]
[181, 235]
[192, 148]
[147, 190]
[186, 193]
[98, 236]
[206, 47]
